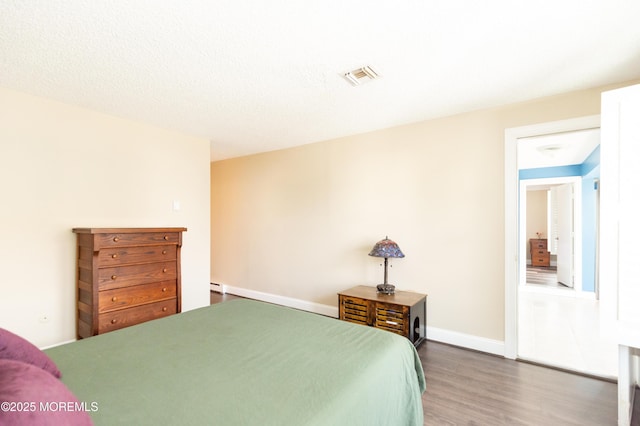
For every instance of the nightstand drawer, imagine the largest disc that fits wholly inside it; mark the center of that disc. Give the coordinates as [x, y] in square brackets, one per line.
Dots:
[354, 310]
[392, 318]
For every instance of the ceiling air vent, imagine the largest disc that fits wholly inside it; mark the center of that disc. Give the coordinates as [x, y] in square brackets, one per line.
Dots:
[361, 75]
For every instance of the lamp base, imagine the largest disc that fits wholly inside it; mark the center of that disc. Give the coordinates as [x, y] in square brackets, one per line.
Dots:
[386, 288]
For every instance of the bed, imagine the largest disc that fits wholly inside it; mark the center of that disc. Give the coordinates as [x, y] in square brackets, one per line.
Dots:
[244, 362]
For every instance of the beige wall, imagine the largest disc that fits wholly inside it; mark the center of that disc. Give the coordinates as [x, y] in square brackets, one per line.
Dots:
[300, 222]
[65, 167]
[536, 215]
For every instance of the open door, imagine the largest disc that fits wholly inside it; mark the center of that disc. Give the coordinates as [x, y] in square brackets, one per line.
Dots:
[565, 235]
[620, 233]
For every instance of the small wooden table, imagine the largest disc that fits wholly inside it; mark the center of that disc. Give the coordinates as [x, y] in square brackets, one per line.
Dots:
[403, 313]
[539, 252]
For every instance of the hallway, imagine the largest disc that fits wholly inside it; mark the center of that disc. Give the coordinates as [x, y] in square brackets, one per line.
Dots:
[560, 329]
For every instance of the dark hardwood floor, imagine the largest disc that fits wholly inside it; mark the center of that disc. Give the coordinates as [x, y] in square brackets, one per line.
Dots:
[466, 387]
[471, 388]
[218, 297]
[544, 276]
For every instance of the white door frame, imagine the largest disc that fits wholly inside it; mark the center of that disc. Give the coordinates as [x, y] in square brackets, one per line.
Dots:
[511, 187]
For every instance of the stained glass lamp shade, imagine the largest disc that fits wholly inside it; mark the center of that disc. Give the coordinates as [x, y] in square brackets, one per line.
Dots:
[386, 248]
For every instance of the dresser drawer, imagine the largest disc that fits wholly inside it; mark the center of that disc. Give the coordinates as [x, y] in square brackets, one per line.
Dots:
[127, 317]
[122, 276]
[353, 309]
[539, 244]
[391, 318]
[540, 261]
[144, 254]
[135, 239]
[120, 298]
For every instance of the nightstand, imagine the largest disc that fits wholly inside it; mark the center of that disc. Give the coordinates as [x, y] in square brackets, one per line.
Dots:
[403, 313]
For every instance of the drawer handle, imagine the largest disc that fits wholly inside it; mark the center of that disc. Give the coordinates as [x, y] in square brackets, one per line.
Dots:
[115, 255]
[164, 309]
[116, 239]
[113, 299]
[113, 277]
[113, 321]
[164, 289]
[391, 322]
[166, 238]
[164, 252]
[164, 269]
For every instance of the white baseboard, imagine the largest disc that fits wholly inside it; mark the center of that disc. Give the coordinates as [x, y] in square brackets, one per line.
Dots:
[57, 344]
[303, 305]
[468, 341]
[482, 344]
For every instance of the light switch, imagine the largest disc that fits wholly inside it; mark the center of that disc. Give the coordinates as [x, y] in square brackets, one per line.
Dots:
[176, 205]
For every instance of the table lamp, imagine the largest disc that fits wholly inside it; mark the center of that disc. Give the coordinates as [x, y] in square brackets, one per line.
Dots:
[386, 248]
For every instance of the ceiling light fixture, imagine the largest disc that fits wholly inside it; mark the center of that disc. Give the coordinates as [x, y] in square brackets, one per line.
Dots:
[361, 75]
[550, 150]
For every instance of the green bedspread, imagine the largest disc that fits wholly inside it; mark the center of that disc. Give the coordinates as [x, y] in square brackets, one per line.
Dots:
[244, 362]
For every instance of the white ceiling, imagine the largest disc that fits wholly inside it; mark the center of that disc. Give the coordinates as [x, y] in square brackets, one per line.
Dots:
[258, 75]
[557, 149]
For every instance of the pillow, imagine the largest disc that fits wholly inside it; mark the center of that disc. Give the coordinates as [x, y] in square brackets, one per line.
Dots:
[15, 347]
[31, 396]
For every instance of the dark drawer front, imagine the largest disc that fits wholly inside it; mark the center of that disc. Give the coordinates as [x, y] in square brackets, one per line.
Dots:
[127, 317]
[135, 239]
[123, 276]
[120, 298]
[145, 254]
[392, 318]
[353, 309]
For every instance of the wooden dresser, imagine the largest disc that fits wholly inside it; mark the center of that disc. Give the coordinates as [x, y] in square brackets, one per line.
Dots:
[539, 253]
[402, 313]
[126, 276]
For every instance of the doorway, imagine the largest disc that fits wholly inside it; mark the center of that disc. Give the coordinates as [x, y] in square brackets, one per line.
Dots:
[536, 320]
[550, 215]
